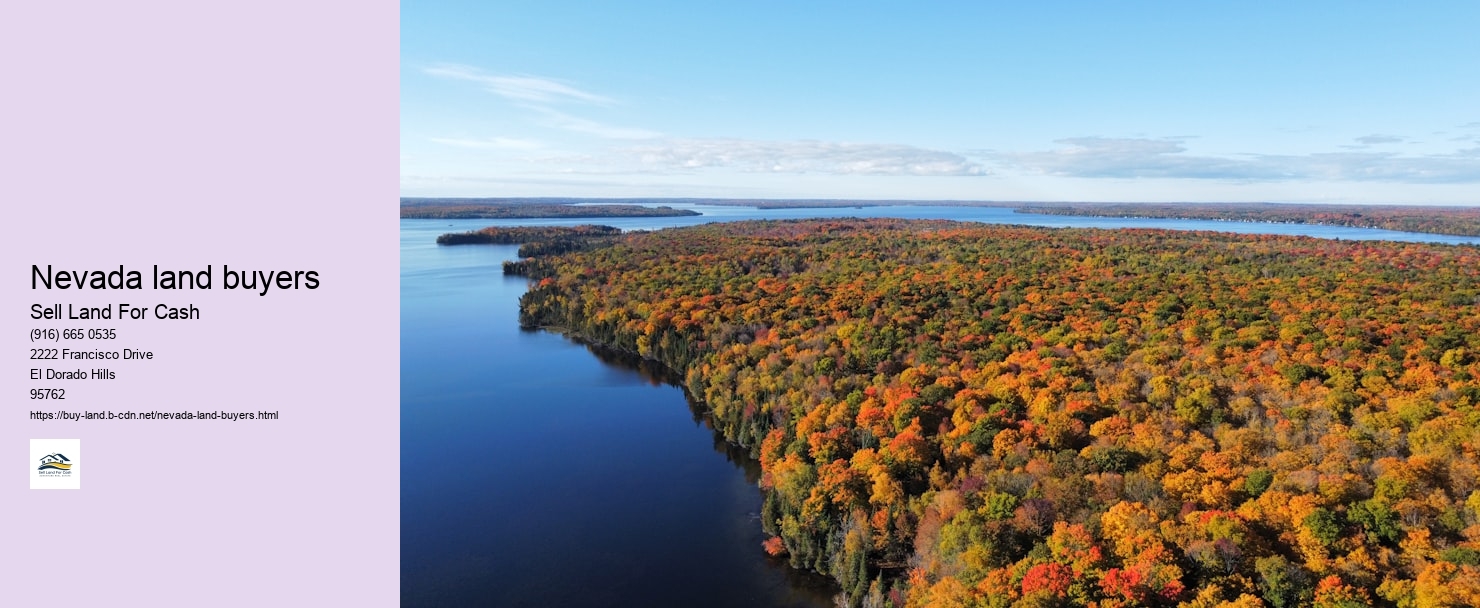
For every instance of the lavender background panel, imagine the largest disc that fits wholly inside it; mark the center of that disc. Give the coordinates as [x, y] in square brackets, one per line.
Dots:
[260, 135]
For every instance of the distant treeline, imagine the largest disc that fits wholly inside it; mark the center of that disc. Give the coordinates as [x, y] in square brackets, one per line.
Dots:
[1462, 221]
[727, 202]
[517, 209]
[510, 235]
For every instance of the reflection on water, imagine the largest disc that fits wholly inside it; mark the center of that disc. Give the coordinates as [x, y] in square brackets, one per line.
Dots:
[658, 374]
[536, 474]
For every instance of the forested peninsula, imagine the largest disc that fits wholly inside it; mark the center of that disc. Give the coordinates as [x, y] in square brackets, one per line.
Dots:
[535, 240]
[460, 208]
[953, 414]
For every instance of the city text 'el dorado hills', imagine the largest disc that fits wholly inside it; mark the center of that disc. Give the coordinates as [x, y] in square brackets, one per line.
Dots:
[260, 281]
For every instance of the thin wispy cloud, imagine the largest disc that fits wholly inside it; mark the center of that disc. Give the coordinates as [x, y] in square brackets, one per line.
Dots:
[1133, 158]
[1126, 158]
[804, 156]
[518, 87]
[1379, 139]
[575, 124]
[1458, 167]
[580, 183]
[492, 143]
[541, 95]
[1469, 132]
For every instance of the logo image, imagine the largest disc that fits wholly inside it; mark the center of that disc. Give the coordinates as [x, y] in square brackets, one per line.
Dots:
[55, 462]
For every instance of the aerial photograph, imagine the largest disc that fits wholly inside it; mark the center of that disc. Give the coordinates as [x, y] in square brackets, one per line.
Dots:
[957, 304]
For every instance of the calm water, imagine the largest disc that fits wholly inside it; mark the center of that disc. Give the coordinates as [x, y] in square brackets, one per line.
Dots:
[534, 473]
[537, 472]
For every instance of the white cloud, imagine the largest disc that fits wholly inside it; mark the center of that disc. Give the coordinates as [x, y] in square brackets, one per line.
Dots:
[804, 156]
[1099, 157]
[518, 88]
[539, 95]
[492, 143]
[561, 120]
[1379, 139]
[1127, 157]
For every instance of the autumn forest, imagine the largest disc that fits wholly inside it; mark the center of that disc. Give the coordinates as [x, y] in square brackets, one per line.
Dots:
[952, 414]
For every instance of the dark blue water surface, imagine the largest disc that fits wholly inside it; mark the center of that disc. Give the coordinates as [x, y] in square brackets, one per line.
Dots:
[538, 472]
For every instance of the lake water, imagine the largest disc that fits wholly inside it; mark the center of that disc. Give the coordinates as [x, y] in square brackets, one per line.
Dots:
[538, 472]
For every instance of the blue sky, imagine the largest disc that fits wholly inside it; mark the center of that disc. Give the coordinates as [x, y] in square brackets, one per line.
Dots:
[1320, 102]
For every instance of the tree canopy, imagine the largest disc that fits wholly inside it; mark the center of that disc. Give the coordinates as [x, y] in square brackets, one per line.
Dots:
[965, 415]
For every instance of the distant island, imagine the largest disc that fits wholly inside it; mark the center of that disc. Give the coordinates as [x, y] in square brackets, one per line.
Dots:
[536, 240]
[1460, 221]
[485, 208]
[510, 235]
